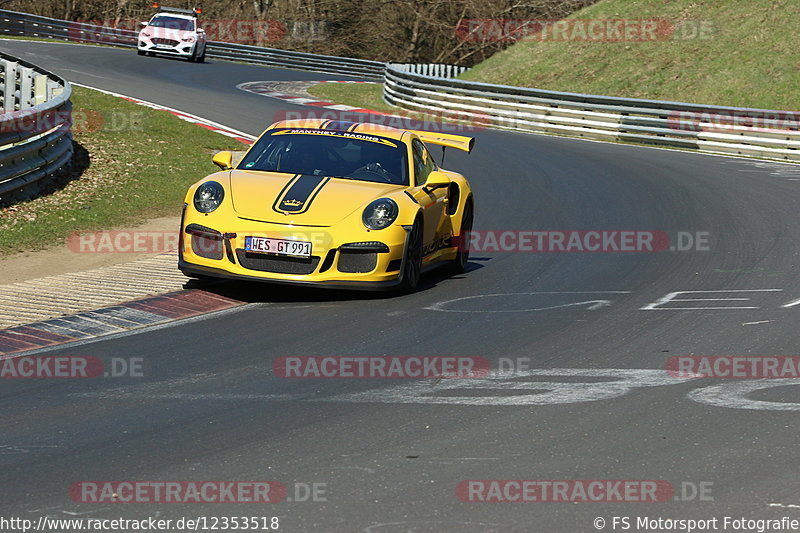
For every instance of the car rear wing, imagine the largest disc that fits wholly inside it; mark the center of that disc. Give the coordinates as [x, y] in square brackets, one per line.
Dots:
[458, 142]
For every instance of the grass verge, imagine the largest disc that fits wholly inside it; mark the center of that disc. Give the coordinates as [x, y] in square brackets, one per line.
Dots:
[732, 52]
[132, 163]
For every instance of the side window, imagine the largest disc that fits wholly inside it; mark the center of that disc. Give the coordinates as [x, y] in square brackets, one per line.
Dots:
[423, 162]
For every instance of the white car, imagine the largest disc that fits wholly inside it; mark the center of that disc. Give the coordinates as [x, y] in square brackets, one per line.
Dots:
[174, 32]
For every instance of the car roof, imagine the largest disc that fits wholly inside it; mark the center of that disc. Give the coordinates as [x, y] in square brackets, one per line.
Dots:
[174, 15]
[342, 125]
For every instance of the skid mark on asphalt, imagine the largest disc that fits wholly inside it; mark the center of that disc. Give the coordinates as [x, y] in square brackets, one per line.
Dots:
[7, 450]
[789, 172]
[503, 299]
[534, 387]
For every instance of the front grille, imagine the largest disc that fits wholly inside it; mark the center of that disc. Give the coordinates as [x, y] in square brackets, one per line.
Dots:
[277, 264]
[357, 262]
[168, 42]
[208, 248]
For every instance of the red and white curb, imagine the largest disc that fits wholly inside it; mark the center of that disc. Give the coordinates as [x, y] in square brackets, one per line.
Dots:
[112, 320]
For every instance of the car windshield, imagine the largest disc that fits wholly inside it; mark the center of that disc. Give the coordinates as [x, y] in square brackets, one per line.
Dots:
[173, 23]
[340, 154]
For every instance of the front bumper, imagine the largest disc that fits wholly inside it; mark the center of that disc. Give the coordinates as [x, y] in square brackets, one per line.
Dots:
[335, 261]
[182, 49]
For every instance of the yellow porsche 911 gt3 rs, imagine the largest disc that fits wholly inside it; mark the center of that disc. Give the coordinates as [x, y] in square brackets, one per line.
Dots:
[328, 203]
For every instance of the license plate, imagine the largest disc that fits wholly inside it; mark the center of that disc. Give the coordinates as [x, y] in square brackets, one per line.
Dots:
[163, 47]
[277, 246]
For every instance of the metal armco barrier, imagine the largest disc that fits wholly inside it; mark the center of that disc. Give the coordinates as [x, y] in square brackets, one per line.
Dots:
[24, 24]
[35, 136]
[437, 70]
[752, 132]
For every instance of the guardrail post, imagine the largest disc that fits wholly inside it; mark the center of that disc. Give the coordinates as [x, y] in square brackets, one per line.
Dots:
[53, 89]
[39, 89]
[10, 87]
[25, 88]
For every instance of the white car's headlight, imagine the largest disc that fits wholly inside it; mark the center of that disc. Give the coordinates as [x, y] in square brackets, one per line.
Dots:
[188, 39]
[208, 196]
[380, 213]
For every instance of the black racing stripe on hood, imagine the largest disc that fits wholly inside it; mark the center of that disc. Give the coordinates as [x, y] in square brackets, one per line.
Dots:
[299, 193]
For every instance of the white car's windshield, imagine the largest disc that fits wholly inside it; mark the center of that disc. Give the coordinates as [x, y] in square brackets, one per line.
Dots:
[172, 23]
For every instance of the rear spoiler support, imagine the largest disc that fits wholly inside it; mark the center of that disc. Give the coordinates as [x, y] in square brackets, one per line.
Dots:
[444, 140]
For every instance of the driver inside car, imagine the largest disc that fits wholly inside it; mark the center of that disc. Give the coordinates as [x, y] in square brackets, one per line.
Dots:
[377, 164]
[299, 159]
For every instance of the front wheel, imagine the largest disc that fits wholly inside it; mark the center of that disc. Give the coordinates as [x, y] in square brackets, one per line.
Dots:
[412, 261]
[140, 52]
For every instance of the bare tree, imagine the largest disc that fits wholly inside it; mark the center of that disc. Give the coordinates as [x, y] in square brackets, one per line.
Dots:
[385, 30]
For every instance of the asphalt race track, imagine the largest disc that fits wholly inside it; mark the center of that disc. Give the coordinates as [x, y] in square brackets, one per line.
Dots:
[210, 408]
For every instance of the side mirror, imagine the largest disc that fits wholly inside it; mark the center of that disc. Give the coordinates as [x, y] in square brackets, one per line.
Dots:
[200, 30]
[143, 24]
[437, 179]
[223, 160]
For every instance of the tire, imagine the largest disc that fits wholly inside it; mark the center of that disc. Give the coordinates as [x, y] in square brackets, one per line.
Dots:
[151, 54]
[412, 260]
[459, 264]
[140, 52]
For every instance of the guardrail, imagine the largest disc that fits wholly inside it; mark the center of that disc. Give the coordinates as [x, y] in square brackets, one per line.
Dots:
[437, 70]
[24, 24]
[744, 131]
[35, 136]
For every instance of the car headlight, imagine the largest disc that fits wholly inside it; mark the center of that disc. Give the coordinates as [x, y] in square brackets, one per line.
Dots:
[208, 196]
[188, 39]
[380, 213]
